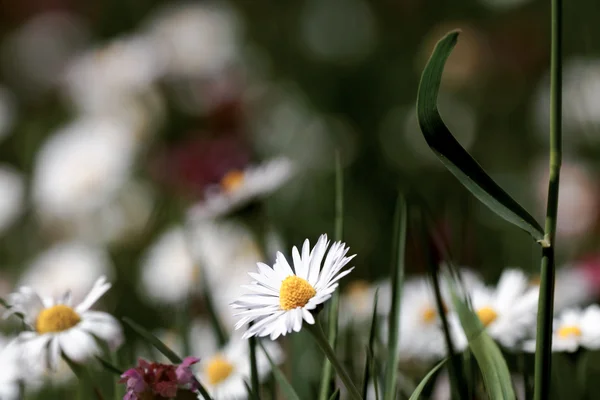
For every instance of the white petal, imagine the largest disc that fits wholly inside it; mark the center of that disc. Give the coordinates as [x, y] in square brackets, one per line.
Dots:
[100, 287]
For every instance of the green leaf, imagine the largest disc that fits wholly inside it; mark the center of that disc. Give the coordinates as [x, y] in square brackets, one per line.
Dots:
[154, 341]
[492, 365]
[83, 376]
[417, 393]
[372, 336]
[397, 277]
[287, 389]
[455, 158]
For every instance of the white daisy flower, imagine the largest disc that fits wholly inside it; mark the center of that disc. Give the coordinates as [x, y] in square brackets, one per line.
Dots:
[238, 188]
[195, 40]
[82, 167]
[67, 267]
[58, 327]
[574, 328]
[111, 74]
[12, 369]
[12, 193]
[284, 297]
[169, 272]
[224, 373]
[225, 250]
[357, 301]
[507, 311]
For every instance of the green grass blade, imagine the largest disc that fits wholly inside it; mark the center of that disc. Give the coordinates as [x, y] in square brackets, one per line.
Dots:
[454, 157]
[215, 321]
[417, 393]
[492, 365]
[154, 341]
[110, 366]
[397, 277]
[287, 389]
[372, 336]
[335, 395]
[83, 376]
[332, 319]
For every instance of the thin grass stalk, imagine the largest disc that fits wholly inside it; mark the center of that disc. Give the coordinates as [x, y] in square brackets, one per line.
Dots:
[397, 277]
[253, 366]
[332, 320]
[543, 354]
[323, 342]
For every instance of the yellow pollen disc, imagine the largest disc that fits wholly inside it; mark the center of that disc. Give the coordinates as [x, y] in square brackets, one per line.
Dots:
[295, 292]
[56, 319]
[429, 315]
[487, 315]
[232, 180]
[568, 331]
[217, 370]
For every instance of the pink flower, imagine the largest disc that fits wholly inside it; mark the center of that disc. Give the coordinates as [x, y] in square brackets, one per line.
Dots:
[156, 381]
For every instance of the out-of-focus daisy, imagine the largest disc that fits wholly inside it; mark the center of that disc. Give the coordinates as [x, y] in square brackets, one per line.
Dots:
[574, 328]
[12, 191]
[160, 381]
[283, 297]
[58, 327]
[12, 369]
[224, 373]
[357, 301]
[225, 250]
[109, 75]
[195, 40]
[169, 272]
[81, 167]
[577, 283]
[578, 205]
[238, 187]
[507, 311]
[67, 267]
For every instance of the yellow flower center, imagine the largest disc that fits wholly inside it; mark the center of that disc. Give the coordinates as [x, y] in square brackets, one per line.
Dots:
[487, 315]
[218, 369]
[429, 315]
[232, 180]
[568, 331]
[295, 292]
[56, 319]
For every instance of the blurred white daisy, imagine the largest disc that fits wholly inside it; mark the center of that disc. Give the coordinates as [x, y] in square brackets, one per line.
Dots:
[72, 266]
[225, 250]
[12, 369]
[357, 301]
[109, 75]
[81, 167]
[12, 193]
[507, 311]
[574, 328]
[195, 40]
[576, 284]
[238, 187]
[169, 272]
[578, 205]
[58, 327]
[224, 373]
[283, 297]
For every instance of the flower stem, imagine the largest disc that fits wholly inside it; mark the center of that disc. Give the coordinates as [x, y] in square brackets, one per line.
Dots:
[332, 316]
[546, 298]
[321, 339]
[253, 366]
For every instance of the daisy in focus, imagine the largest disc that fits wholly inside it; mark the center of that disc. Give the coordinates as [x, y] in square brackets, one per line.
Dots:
[283, 297]
[239, 187]
[224, 373]
[507, 311]
[574, 328]
[59, 328]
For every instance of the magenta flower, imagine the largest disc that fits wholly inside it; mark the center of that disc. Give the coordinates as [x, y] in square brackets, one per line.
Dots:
[155, 381]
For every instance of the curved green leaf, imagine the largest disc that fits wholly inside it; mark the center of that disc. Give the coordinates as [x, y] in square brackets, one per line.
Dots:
[492, 365]
[417, 393]
[454, 157]
[284, 384]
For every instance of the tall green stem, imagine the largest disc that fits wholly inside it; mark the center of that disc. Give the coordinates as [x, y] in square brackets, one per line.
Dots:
[546, 299]
[332, 320]
[321, 339]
